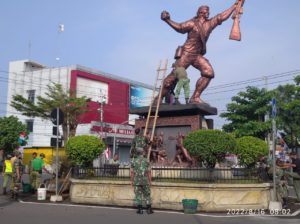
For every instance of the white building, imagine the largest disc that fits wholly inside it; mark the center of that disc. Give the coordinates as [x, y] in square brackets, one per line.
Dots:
[30, 79]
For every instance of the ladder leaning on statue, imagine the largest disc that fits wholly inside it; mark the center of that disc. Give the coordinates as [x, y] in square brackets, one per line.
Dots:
[161, 73]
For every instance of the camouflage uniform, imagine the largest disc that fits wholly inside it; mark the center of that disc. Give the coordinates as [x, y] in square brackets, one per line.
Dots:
[183, 82]
[281, 183]
[137, 142]
[296, 183]
[17, 165]
[141, 168]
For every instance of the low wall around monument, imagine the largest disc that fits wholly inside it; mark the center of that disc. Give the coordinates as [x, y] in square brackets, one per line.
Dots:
[167, 195]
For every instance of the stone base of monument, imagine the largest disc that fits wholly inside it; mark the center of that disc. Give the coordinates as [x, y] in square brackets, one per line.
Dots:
[174, 119]
[212, 197]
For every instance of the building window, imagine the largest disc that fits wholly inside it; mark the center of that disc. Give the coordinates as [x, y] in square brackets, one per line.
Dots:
[29, 124]
[31, 95]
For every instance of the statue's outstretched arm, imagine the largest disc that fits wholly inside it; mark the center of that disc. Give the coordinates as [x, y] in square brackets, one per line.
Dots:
[226, 14]
[179, 27]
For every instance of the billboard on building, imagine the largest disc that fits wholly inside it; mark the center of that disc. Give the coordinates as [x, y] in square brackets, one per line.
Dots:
[95, 90]
[139, 96]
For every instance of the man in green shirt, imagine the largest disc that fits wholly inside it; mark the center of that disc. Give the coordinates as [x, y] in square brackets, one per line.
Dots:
[35, 171]
[183, 82]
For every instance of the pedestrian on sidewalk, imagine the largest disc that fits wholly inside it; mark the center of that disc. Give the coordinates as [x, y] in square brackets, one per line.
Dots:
[140, 175]
[7, 174]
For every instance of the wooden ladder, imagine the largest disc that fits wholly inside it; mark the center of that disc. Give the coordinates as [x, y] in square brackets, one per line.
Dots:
[160, 76]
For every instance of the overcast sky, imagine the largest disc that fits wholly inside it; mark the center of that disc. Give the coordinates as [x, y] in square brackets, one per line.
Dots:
[127, 38]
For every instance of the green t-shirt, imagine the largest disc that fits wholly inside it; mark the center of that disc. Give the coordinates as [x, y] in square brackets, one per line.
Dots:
[180, 73]
[37, 164]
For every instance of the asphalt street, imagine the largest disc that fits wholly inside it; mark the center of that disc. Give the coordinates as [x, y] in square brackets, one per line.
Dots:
[49, 213]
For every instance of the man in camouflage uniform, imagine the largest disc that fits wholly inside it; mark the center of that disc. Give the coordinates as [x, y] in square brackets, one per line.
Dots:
[295, 173]
[281, 181]
[183, 82]
[139, 141]
[17, 174]
[140, 175]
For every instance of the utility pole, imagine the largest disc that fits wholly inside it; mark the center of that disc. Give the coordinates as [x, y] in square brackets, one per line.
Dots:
[267, 116]
[102, 100]
[274, 146]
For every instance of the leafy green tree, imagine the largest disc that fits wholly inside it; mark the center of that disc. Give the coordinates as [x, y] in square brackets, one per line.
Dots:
[10, 130]
[246, 113]
[249, 149]
[56, 97]
[209, 146]
[83, 149]
[288, 110]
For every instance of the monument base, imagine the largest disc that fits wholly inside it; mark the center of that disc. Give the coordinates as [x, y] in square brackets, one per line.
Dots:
[175, 119]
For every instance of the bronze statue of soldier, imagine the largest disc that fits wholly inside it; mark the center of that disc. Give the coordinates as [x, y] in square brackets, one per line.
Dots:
[193, 50]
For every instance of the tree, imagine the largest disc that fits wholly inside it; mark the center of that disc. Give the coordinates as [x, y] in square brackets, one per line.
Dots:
[246, 113]
[83, 149]
[56, 97]
[10, 130]
[288, 110]
[209, 146]
[249, 149]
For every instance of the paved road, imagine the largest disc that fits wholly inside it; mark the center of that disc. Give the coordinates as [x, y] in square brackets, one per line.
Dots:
[42, 213]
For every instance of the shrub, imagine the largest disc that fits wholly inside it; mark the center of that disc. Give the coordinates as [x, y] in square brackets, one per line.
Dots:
[209, 146]
[83, 149]
[249, 149]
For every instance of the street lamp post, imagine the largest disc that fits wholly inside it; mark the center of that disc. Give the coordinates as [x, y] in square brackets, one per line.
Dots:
[102, 100]
[114, 146]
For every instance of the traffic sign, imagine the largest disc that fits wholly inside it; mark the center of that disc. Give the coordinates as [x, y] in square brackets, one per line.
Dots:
[274, 110]
[53, 116]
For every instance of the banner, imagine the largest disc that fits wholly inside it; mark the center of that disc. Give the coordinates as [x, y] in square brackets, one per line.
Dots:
[139, 96]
